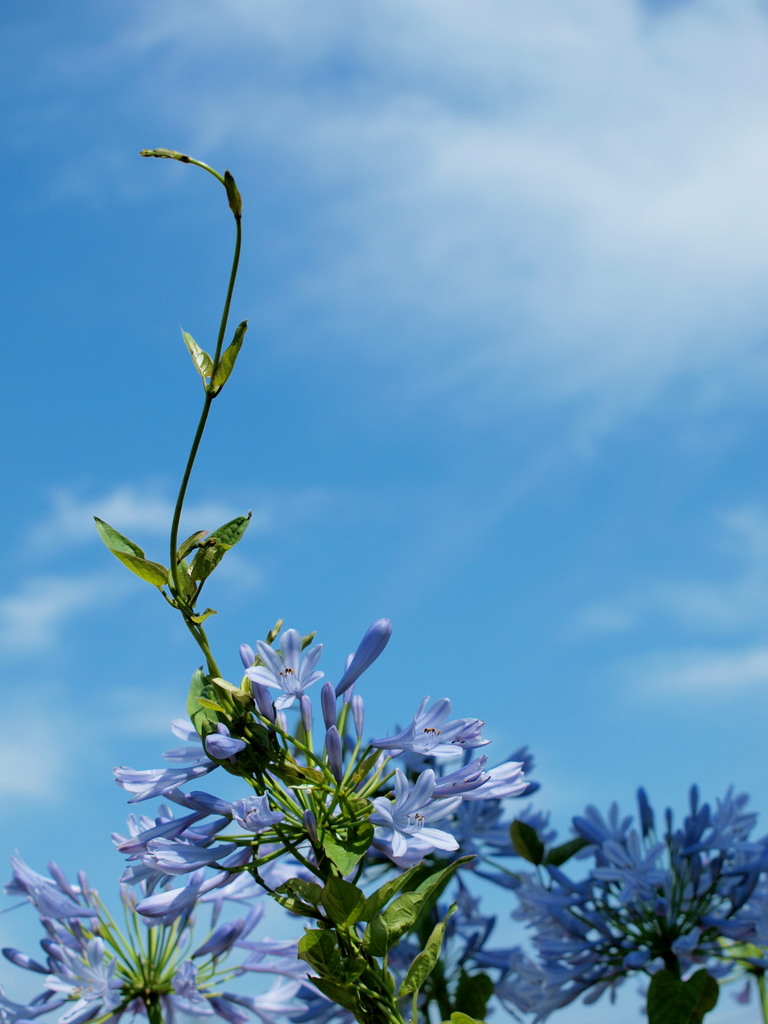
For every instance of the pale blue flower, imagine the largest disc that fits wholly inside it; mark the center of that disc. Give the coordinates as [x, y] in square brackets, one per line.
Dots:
[288, 671]
[406, 820]
[431, 735]
[370, 647]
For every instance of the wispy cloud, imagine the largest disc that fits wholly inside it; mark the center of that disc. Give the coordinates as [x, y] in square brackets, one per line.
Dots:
[34, 616]
[569, 200]
[734, 601]
[136, 510]
[701, 673]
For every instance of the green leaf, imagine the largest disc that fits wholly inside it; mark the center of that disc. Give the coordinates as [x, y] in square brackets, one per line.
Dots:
[338, 992]
[457, 1017]
[346, 852]
[319, 948]
[526, 841]
[473, 992]
[211, 705]
[205, 561]
[229, 357]
[300, 896]
[381, 897]
[673, 1001]
[201, 359]
[191, 542]
[342, 901]
[131, 555]
[420, 878]
[115, 541]
[560, 854]
[230, 533]
[424, 962]
[203, 719]
[202, 616]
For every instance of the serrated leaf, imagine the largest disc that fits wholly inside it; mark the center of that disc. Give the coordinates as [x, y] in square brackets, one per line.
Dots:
[229, 357]
[342, 901]
[526, 841]
[673, 1001]
[560, 854]
[385, 931]
[203, 362]
[346, 851]
[424, 962]
[303, 893]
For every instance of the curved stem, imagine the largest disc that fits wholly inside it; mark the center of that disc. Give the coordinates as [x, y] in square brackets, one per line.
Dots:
[196, 629]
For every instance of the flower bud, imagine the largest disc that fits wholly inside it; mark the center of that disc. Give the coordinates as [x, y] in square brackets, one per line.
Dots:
[370, 647]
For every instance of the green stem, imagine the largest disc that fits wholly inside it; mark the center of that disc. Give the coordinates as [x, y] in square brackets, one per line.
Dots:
[196, 629]
[763, 996]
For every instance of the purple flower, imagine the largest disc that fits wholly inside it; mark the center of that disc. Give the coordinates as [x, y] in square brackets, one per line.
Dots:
[221, 745]
[288, 671]
[370, 647]
[431, 735]
[406, 820]
[254, 814]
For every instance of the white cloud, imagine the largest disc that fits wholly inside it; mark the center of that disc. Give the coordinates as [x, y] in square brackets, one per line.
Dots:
[33, 618]
[733, 602]
[701, 672]
[136, 511]
[569, 197]
[36, 757]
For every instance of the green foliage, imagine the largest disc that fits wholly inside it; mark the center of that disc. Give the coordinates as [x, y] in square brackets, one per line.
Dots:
[424, 962]
[526, 841]
[342, 901]
[473, 992]
[202, 716]
[203, 362]
[386, 929]
[462, 1018]
[131, 555]
[346, 851]
[674, 1001]
[228, 358]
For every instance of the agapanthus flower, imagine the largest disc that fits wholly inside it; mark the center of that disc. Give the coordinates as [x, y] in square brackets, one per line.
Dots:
[646, 901]
[403, 825]
[289, 671]
[93, 971]
[430, 734]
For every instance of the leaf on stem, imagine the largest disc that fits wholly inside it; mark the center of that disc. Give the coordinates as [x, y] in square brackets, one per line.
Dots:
[131, 555]
[674, 1001]
[203, 362]
[424, 962]
[526, 841]
[229, 356]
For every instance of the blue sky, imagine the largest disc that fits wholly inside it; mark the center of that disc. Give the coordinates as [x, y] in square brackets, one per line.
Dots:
[505, 379]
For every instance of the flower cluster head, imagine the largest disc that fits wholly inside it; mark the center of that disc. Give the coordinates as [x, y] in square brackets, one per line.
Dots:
[674, 898]
[91, 970]
[300, 795]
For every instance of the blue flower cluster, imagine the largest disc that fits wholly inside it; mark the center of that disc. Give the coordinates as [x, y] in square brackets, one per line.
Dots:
[94, 971]
[675, 899]
[303, 797]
